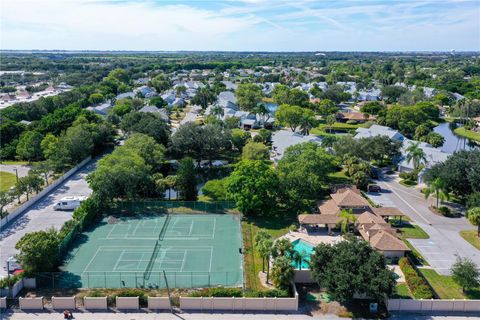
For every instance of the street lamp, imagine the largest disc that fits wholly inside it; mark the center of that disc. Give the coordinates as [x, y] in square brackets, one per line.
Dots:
[16, 175]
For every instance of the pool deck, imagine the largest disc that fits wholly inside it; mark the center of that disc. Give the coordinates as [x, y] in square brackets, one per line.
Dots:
[312, 238]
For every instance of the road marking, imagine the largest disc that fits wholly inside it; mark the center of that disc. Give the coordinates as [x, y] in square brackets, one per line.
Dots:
[408, 204]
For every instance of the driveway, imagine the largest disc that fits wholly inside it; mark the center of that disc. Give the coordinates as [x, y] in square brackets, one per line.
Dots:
[41, 215]
[445, 241]
[22, 169]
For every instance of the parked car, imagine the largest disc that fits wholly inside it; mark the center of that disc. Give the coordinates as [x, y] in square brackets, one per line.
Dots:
[68, 203]
[374, 188]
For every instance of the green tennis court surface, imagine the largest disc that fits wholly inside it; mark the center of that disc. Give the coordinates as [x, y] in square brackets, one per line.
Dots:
[194, 250]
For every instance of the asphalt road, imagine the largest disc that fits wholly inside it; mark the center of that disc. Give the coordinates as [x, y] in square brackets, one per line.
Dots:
[41, 216]
[445, 242]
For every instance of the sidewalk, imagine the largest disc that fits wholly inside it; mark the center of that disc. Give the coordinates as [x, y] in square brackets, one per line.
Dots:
[45, 315]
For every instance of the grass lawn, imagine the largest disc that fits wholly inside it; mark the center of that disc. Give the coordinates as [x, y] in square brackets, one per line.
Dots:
[19, 163]
[7, 180]
[446, 288]
[468, 134]
[276, 227]
[402, 291]
[471, 237]
[409, 230]
[408, 183]
[339, 178]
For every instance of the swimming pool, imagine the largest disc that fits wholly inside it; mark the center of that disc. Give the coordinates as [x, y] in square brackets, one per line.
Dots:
[303, 247]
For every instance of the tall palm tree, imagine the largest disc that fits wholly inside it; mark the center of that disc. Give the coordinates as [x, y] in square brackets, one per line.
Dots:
[415, 154]
[283, 247]
[299, 257]
[330, 121]
[265, 251]
[217, 111]
[347, 217]
[170, 182]
[437, 187]
[307, 123]
[262, 110]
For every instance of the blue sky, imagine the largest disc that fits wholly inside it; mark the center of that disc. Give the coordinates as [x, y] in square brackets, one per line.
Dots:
[248, 25]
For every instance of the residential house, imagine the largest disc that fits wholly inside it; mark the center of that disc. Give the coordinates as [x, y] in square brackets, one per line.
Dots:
[153, 109]
[125, 95]
[102, 109]
[353, 116]
[378, 130]
[146, 91]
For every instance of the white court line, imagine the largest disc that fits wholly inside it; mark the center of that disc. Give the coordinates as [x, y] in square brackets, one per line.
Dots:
[91, 260]
[184, 258]
[211, 258]
[118, 260]
[214, 225]
[162, 249]
[191, 228]
[108, 235]
[136, 228]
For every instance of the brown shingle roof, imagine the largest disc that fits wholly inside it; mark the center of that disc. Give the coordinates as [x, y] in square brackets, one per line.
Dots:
[329, 207]
[385, 241]
[387, 212]
[318, 219]
[357, 116]
[349, 199]
[369, 218]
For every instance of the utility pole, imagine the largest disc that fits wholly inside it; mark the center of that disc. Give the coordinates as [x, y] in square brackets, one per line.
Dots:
[16, 175]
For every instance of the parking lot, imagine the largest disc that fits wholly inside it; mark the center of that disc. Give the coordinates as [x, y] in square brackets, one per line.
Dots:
[41, 215]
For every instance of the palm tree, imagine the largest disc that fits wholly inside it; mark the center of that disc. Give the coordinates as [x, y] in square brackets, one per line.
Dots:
[282, 273]
[170, 182]
[473, 216]
[328, 141]
[415, 154]
[299, 257]
[437, 187]
[265, 251]
[283, 247]
[346, 216]
[330, 121]
[217, 111]
[307, 123]
[263, 111]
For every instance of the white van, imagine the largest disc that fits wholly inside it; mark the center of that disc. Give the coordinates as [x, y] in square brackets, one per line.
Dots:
[68, 203]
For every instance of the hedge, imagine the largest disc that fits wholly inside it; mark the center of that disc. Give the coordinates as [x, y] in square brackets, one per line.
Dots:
[417, 284]
[237, 292]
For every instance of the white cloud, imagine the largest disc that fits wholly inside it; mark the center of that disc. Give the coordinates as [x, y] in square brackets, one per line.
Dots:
[263, 25]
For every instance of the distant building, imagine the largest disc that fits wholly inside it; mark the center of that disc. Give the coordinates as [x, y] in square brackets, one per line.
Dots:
[152, 109]
[102, 109]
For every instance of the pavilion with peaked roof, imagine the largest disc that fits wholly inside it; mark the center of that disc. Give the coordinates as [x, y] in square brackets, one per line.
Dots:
[371, 223]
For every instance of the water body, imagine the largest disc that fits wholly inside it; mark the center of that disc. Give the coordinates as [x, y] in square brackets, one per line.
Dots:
[272, 107]
[453, 142]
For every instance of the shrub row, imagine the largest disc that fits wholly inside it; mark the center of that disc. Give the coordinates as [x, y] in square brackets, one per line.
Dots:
[237, 292]
[417, 285]
[10, 281]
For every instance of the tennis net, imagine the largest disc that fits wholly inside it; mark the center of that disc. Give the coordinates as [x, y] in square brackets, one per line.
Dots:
[148, 270]
[161, 235]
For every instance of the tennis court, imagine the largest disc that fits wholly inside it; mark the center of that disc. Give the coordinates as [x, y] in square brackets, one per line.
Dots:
[189, 250]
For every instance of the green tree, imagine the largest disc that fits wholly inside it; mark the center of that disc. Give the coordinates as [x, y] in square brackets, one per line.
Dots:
[5, 198]
[415, 154]
[215, 190]
[255, 151]
[239, 138]
[49, 145]
[260, 245]
[326, 107]
[473, 216]
[122, 107]
[265, 251]
[170, 183]
[29, 146]
[248, 96]
[282, 273]
[282, 248]
[264, 135]
[289, 116]
[303, 171]
[307, 122]
[435, 139]
[299, 257]
[347, 218]
[121, 174]
[330, 121]
[161, 83]
[119, 74]
[146, 123]
[146, 146]
[186, 180]
[351, 267]
[465, 273]
[437, 188]
[253, 186]
[96, 98]
[38, 251]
